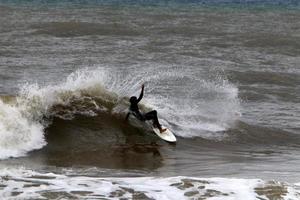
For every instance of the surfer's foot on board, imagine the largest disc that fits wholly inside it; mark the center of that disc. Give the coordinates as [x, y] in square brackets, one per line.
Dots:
[161, 130]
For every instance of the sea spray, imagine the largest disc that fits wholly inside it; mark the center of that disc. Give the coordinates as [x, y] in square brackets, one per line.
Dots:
[195, 105]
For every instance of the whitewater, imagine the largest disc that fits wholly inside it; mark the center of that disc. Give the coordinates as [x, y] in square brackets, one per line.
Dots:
[28, 184]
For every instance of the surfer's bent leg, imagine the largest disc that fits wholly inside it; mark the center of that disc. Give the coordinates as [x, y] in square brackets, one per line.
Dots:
[152, 115]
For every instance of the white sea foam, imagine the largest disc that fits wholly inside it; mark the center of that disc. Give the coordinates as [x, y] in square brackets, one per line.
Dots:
[18, 134]
[28, 184]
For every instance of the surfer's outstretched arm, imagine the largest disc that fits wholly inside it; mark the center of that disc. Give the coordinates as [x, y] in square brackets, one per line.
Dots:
[142, 94]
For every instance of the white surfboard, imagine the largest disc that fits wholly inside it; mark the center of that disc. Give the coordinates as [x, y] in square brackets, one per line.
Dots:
[166, 135]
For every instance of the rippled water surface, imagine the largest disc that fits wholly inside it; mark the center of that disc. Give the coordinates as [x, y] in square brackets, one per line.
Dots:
[223, 75]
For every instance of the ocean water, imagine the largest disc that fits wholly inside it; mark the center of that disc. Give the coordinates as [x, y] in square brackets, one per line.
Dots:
[223, 75]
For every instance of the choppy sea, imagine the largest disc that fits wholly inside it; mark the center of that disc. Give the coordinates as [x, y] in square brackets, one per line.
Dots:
[224, 76]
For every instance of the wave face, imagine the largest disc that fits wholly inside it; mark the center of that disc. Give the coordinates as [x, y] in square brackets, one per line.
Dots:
[22, 183]
[189, 105]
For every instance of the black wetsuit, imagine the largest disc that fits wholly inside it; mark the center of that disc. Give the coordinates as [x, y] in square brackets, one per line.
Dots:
[134, 109]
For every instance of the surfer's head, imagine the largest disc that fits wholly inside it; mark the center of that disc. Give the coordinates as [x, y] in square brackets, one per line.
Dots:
[133, 99]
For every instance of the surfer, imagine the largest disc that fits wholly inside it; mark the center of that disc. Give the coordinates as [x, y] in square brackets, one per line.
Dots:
[134, 109]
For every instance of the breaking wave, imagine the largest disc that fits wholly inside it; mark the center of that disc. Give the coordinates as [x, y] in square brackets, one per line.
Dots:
[190, 105]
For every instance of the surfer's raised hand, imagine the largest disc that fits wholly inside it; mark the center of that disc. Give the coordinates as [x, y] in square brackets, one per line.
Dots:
[142, 93]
